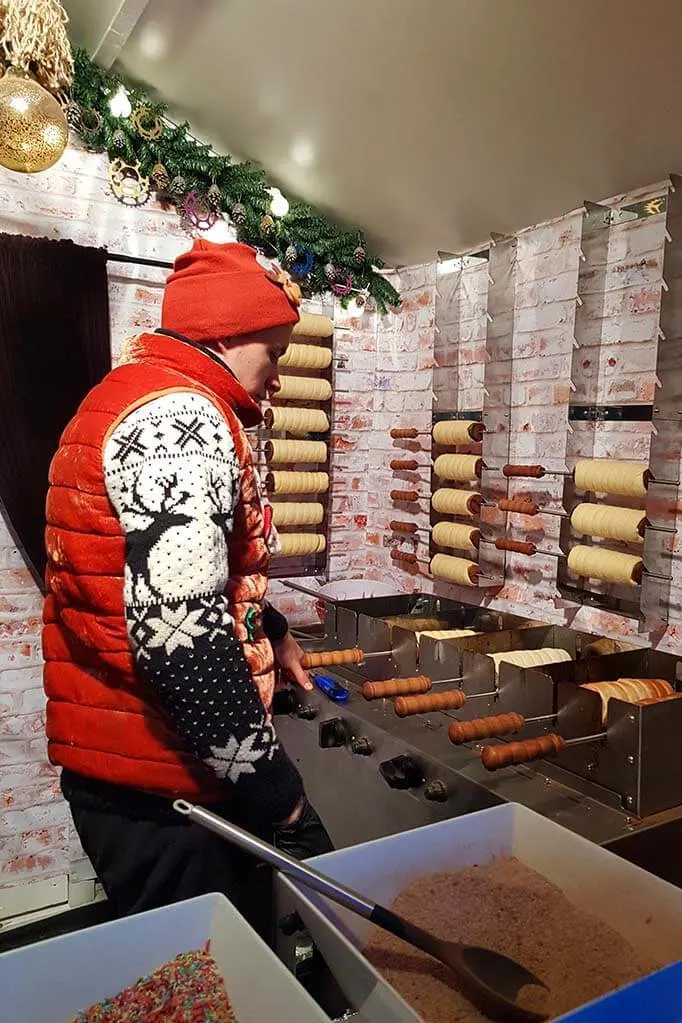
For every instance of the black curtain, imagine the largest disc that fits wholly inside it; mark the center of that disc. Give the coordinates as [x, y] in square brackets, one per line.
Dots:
[54, 345]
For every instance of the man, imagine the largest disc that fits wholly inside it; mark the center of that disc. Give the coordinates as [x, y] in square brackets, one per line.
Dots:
[158, 641]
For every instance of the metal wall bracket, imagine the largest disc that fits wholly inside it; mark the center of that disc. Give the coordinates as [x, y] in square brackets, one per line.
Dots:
[443, 416]
[640, 210]
[610, 413]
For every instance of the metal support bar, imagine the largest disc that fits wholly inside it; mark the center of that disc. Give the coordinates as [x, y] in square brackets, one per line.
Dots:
[120, 257]
[610, 413]
[309, 593]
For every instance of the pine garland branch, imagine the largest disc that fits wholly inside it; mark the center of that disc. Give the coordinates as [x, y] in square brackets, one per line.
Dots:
[243, 188]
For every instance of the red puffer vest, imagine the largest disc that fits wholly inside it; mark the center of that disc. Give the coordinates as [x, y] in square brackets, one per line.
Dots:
[101, 720]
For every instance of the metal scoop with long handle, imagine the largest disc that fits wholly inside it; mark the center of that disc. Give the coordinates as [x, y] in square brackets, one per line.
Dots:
[495, 978]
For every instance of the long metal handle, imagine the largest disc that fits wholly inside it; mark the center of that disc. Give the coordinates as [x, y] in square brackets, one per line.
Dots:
[285, 864]
[309, 593]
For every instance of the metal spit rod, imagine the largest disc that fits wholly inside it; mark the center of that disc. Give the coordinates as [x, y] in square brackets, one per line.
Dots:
[536, 550]
[522, 751]
[537, 472]
[408, 558]
[310, 593]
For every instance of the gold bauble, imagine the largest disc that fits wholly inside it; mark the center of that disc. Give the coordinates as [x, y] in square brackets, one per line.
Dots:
[33, 128]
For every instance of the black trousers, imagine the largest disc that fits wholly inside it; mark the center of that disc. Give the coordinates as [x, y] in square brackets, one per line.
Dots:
[146, 855]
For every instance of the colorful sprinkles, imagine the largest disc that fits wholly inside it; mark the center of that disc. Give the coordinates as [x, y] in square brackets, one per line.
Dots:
[189, 989]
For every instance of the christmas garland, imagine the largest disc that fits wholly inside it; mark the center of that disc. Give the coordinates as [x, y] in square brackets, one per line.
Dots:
[148, 154]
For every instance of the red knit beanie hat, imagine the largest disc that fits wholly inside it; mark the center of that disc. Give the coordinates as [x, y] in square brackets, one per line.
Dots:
[217, 292]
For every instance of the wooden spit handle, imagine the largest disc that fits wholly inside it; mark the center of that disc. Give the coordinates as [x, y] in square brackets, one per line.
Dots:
[517, 546]
[405, 706]
[520, 505]
[396, 687]
[405, 433]
[407, 496]
[404, 464]
[407, 557]
[460, 732]
[403, 527]
[324, 658]
[534, 472]
[495, 757]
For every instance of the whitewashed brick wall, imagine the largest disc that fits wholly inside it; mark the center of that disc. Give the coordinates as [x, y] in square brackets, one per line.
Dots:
[388, 370]
[618, 348]
[72, 201]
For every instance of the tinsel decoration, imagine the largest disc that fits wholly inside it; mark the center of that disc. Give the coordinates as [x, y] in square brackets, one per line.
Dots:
[238, 213]
[128, 183]
[359, 255]
[160, 177]
[214, 197]
[147, 125]
[33, 39]
[302, 266]
[240, 188]
[198, 211]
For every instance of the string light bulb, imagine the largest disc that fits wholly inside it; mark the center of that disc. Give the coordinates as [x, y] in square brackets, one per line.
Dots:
[119, 104]
[279, 207]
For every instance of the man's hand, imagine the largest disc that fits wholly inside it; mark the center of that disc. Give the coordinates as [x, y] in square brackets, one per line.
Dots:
[288, 655]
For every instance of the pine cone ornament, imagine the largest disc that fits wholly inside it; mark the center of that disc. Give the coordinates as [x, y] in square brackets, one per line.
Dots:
[214, 198]
[74, 115]
[178, 185]
[359, 255]
[118, 138]
[239, 213]
[330, 272]
[291, 254]
[267, 224]
[160, 177]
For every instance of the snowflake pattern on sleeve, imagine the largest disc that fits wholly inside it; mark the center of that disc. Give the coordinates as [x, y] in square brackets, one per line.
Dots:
[172, 476]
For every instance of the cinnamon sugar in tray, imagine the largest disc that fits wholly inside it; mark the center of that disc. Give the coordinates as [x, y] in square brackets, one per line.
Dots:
[189, 989]
[511, 909]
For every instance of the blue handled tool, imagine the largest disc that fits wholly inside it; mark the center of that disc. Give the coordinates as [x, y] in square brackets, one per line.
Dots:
[331, 688]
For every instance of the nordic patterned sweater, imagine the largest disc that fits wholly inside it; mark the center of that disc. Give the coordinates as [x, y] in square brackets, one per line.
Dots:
[179, 625]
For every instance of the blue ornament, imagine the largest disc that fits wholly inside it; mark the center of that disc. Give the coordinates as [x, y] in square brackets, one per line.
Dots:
[304, 264]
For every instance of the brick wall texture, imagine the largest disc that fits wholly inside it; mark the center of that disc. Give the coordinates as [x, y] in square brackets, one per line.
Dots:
[392, 370]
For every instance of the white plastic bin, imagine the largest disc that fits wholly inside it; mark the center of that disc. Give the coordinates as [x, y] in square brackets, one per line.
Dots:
[644, 909]
[52, 981]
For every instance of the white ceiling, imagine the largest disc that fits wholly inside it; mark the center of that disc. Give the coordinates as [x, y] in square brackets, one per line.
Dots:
[430, 123]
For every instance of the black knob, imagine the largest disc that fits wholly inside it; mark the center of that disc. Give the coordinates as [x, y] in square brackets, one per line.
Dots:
[290, 924]
[436, 792]
[333, 733]
[284, 702]
[402, 772]
[362, 747]
[305, 711]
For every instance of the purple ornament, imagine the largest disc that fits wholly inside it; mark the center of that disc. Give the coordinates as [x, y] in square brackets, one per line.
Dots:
[199, 211]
